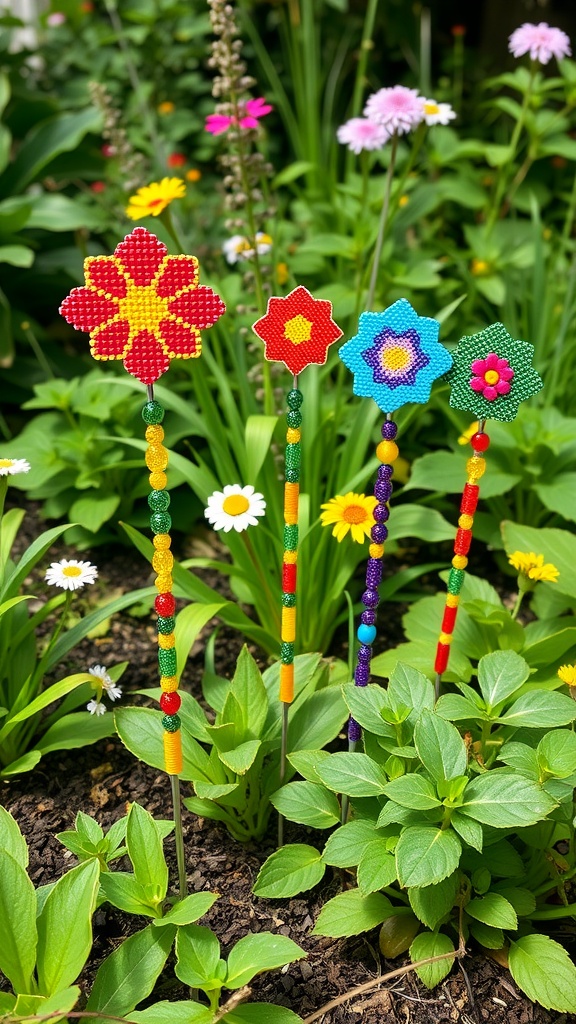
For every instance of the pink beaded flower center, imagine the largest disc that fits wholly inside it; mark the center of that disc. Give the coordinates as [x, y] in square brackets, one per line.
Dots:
[491, 376]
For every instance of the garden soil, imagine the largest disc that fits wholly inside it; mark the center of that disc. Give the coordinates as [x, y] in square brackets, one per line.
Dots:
[103, 779]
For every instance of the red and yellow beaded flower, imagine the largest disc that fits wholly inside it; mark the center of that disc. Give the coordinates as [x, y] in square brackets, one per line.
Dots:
[142, 306]
[297, 330]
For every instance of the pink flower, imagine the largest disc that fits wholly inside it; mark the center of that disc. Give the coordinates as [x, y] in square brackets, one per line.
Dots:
[55, 19]
[216, 124]
[398, 109]
[360, 133]
[491, 376]
[540, 41]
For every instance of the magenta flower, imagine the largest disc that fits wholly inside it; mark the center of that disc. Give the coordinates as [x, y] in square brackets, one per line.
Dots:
[360, 133]
[397, 109]
[540, 41]
[216, 124]
[491, 376]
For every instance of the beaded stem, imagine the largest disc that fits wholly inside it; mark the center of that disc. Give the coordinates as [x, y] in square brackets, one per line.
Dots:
[387, 453]
[475, 467]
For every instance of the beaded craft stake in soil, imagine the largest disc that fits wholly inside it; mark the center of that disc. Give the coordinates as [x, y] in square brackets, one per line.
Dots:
[491, 375]
[146, 307]
[296, 330]
[395, 357]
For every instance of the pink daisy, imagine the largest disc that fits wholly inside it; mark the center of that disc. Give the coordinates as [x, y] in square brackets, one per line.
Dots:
[492, 376]
[398, 109]
[360, 133]
[540, 41]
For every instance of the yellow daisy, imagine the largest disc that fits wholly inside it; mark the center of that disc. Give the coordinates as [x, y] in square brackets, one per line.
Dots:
[167, 107]
[349, 512]
[547, 573]
[567, 673]
[532, 565]
[152, 199]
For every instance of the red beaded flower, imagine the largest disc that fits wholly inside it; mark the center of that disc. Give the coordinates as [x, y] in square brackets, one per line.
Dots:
[143, 306]
[297, 330]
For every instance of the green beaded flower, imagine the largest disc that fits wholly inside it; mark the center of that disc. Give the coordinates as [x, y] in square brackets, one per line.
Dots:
[492, 373]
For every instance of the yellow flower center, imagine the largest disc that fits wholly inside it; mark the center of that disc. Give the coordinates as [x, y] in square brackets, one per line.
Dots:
[395, 358]
[355, 514]
[143, 308]
[491, 376]
[6, 463]
[298, 329]
[479, 267]
[431, 108]
[72, 570]
[235, 505]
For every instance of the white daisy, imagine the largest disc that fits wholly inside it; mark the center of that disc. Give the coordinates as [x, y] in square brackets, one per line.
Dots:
[11, 467]
[70, 574]
[238, 247]
[437, 113]
[235, 508]
[95, 707]
[99, 672]
[113, 692]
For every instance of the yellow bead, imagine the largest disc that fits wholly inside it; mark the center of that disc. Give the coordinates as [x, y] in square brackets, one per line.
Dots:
[162, 561]
[166, 641]
[376, 550]
[162, 541]
[452, 600]
[387, 451]
[445, 638]
[158, 480]
[475, 467]
[154, 434]
[164, 583]
[290, 557]
[459, 561]
[466, 522]
[292, 435]
[173, 752]
[169, 683]
[288, 632]
[156, 457]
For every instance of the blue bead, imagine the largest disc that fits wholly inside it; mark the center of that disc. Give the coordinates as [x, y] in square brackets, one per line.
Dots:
[366, 634]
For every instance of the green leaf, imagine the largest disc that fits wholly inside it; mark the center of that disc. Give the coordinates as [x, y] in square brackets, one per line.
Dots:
[444, 471]
[376, 868]
[366, 704]
[46, 141]
[425, 856]
[540, 709]
[256, 953]
[241, 758]
[493, 909]
[429, 944]
[308, 804]
[456, 708]
[440, 747]
[431, 903]
[305, 763]
[261, 1013]
[129, 974]
[62, 1001]
[146, 852]
[122, 890]
[423, 522]
[75, 730]
[410, 688]
[17, 923]
[189, 624]
[500, 674]
[544, 971]
[198, 957]
[557, 546]
[258, 434]
[53, 693]
[249, 692]
[468, 829]
[556, 753]
[397, 932]
[291, 869]
[188, 910]
[65, 928]
[559, 495]
[353, 775]
[318, 720]
[140, 730]
[346, 845]
[351, 913]
[17, 255]
[52, 211]
[182, 1012]
[413, 791]
[11, 838]
[490, 938]
[505, 801]
[94, 509]
[292, 172]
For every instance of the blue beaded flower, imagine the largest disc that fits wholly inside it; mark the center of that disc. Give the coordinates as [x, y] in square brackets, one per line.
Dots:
[395, 356]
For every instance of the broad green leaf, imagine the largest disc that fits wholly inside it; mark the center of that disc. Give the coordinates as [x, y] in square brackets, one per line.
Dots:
[540, 709]
[397, 932]
[242, 757]
[17, 255]
[305, 763]
[560, 494]
[259, 952]
[53, 693]
[351, 913]
[198, 957]
[46, 141]
[522, 757]
[523, 901]
[346, 845]
[456, 708]
[189, 909]
[440, 747]
[146, 852]
[500, 674]
[129, 974]
[425, 856]
[317, 721]
[12, 840]
[365, 704]
[429, 944]
[261, 1013]
[75, 730]
[413, 791]
[122, 890]
[251, 702]
[140, 730]
[505, 801]
[7, 1002]
[189, 624]
[431, 903]
[468, 829]
[308, 804]
[423, 522]
[377, 867]
[291, 869]
[353, 775]
[94, 509]
[258, 435]
[65, 928]
[17, 923]
[62, 1001]
[411, 688]
[556, 753]
[543, 970]
[444, 471]
[493, 909]
[490, 938]
[182, 1012]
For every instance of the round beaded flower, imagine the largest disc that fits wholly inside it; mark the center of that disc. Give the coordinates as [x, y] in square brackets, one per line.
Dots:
[350, 512]
[235, 508]
[143, 306]
[492, 374]
[297, 330]
[395, 356]
[70, 574]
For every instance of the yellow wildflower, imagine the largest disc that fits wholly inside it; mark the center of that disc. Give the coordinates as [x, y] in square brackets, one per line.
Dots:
[403, 201]
[282, 273]
[479, 268]
[349, 512]
[166, 108]
[468, 433]
[532, 565]
[152, 199]
[567, 673]
[193, 174]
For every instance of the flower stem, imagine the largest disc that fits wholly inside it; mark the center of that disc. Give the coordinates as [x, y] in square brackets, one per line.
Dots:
[516, 607]
[503, 171]
[383, 223]
[166, 218]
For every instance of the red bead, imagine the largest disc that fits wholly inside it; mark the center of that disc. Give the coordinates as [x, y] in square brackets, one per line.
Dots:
[449, 620]
[480, 442]
[462, 542]
[170, 703]
[469, 499]
[165, 605]
[289, 578]
[442, 655]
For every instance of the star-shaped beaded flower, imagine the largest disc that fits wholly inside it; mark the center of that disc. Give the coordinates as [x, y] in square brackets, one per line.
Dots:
[142, 306]
[396, 356]
[297, 330]
[492, 374]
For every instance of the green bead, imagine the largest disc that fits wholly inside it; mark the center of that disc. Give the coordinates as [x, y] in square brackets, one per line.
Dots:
[455, 580]
[171, 723]
[165, 626]
[290, 538]
[159, 500]
[294, 418]
[152, 413]
[287, 653]
[289, 600]
[167, 661]
[160, 522]
[293, 456]
[292, 476]
[294, 398]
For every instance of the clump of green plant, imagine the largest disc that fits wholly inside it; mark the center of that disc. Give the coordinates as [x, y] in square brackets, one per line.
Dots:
[452, 837]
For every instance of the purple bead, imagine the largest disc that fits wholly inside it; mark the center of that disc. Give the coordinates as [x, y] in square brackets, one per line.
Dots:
[373, 573]
[379, 533]
[362, 675]
[368, 618]
[370, 598]
[381, 513]
[354, 731]
[364, 653]
[383, 490]
[385, 472]
[389, 430]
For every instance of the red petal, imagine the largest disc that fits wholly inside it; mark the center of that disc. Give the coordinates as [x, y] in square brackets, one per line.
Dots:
[85, 309]
[110, 341]
[180, 339]
[102, 272]
[177, 273]
[146, 359]
[201, 307]
[141, 253]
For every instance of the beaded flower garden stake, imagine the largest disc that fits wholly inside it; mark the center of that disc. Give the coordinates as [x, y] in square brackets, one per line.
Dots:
[492, 374]
[297, 330]
[146, 307]
[395, 357]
